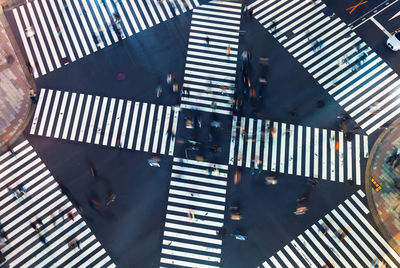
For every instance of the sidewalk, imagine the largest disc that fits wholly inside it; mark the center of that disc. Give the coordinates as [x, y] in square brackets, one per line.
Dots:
[15, 104]
[385, 203]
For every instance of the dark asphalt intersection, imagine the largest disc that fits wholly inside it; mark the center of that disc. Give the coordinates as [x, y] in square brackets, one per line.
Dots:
[131, 229]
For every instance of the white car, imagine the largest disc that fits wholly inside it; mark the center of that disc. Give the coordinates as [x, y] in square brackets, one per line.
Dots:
[393, 41]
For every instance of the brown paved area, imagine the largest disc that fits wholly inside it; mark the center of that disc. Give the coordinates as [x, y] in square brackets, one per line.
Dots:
[385, 204]
[15, 103]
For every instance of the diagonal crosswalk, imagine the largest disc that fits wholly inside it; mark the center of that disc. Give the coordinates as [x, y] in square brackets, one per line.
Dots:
[75, 28]
[43, 200]
[296, 149]
[195, 211]
[343, 238]
[362, 83]
[106, 121]
[210, 70]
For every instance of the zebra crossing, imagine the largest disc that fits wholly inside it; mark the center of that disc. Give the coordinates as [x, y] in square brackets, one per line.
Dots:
[106, 121]
[71, 29]
[296, 149]
[43, 200]
[343, 238]
[363, 84]
[195, 211]
[210, 70]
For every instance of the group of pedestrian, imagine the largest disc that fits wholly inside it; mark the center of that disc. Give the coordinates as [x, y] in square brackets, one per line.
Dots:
[303, 200]
[39, 227]
[18, 192]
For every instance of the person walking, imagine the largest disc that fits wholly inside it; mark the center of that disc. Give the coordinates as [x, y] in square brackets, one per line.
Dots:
[110, 198]
[207, 40]
[32, 95]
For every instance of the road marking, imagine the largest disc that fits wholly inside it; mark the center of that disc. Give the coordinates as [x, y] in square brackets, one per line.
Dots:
[274, 134]
[69, 115]
[157, 130]
[249, 142]
[283, 145]
[316, 152]
[108, 122]
[149, 128]
[99, 129]
[92, 120]
[299, 149]
[77, 116]
[133, 125]
[116, 124]
[125, 124]
[174, 126]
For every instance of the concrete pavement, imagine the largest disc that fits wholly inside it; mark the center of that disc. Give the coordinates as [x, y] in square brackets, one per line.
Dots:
[14, 88]
[383, 197]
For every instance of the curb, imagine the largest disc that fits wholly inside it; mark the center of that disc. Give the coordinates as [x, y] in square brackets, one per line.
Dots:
[368, 188]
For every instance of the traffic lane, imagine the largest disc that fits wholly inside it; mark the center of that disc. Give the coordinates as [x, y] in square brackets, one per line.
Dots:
[343, 8]
[130, 229]
[376, 39]
[268, 219]
[390, 17]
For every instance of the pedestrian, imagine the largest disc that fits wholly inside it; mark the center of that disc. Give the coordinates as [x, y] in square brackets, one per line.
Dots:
[64, 61]
[271, 180]
[207, 40]
[272, 27]
[250, 13]
[71, 216]
[34, 226]
[74, 244]
[301, 210]
[58, 29]
[313, 181]
[245, 10]
[3, 236]
[42, 239]
[119, 145]
[238, 176]
[190, 215]
[32, 95]
[117, 17]
[110, 198]
[175, 86]
[213, 106]
[228, 50]
[95, 205]
[154, 161]
[221, 232]
[323, 228]
[11, 151]
[158, 90]
[245, 56]
[29, 66]
[93, 171]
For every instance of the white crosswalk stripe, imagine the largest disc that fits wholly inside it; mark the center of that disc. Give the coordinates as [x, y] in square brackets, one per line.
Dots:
[289, 148]
[195, 212]
[211, 60]
[43, 199]
[107, 121]
[76, 28]
[343, 238]
[362, 83]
